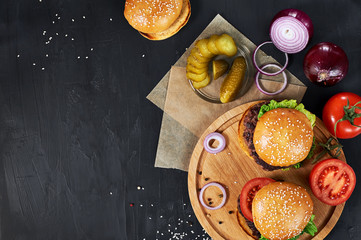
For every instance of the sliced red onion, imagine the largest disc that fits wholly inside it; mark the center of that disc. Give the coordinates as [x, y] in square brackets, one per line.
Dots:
[214, 136]
[290, 30]
[289, 35]
[271, 93]
[223, 192]
[261, 69]
[299, 15]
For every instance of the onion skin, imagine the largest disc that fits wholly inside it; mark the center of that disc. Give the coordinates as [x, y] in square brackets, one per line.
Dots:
[325, 64]
[298, 14]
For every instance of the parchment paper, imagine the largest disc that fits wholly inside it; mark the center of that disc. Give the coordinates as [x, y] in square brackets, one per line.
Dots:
[176, 142]
[196, 114]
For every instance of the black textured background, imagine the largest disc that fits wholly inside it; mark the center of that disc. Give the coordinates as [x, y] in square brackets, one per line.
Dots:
[78, 135]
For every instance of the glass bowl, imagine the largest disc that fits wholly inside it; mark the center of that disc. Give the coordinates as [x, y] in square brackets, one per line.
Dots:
[211, 92]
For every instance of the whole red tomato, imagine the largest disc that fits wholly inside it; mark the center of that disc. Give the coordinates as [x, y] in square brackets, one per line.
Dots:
[344, 111]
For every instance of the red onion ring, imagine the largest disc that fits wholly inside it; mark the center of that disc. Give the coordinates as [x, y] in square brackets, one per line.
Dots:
[289, 34]
[261, 69]
[216, 185]
[278, 91]
[214, 136]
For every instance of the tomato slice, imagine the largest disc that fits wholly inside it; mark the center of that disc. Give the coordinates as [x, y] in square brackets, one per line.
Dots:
[332, 181]
[248, 192]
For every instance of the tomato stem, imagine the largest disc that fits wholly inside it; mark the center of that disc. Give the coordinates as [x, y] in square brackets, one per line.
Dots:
[329, 148]
[350, 115]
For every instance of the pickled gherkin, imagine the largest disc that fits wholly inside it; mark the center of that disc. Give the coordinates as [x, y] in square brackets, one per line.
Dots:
[220, 67]
[233, 81]
[201, 84]
[203, 52]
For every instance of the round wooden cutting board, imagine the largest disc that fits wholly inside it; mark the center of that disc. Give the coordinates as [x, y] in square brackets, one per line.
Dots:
[233, 168]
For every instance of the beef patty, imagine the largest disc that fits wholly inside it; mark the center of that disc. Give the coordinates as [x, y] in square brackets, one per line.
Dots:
[250, 122]
[250, 224]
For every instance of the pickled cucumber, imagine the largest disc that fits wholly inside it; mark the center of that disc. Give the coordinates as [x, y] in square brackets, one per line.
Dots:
[195, 62]
[197, 77]
[196, 54]
[201, 84]
[233, 81]
[226, 45]
[212, 45]
[191, 68]
[203, 49]
[219, 68]
[202, 54]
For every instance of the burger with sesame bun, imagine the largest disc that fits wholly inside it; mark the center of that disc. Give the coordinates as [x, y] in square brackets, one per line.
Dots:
[157, 19]
[277, 135]
[278, 210]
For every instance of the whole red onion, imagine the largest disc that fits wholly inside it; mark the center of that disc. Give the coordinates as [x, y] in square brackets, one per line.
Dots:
[325, 64]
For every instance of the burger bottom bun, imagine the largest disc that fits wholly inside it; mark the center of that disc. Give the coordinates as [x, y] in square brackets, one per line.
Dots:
[242, 222]
[180, 22]
[281, 210]
[241, 129]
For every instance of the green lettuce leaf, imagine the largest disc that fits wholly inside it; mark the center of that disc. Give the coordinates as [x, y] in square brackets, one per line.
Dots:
[295, 237]
[309, 115]
[310, 229]
[297, 165]
[287, 104]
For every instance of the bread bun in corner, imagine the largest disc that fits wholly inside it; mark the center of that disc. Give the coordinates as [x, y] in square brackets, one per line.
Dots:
[281, 210]
[241, 130]
[157, 19]
[283, 137]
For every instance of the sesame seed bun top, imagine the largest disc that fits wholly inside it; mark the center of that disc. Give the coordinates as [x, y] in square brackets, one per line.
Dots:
[180, 22]
[281, 210]
[283, 137]
[152, 16]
